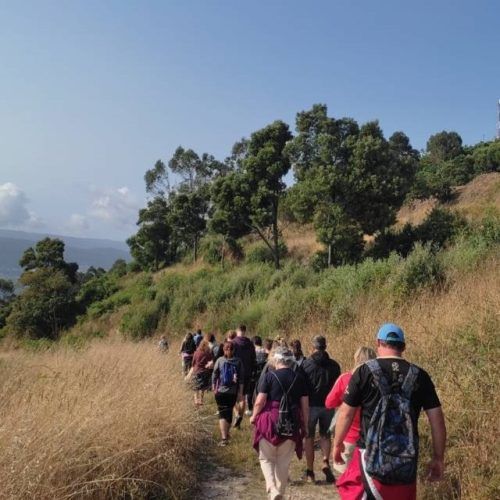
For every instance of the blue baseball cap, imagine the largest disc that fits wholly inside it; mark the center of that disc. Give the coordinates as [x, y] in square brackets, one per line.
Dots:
[390, 331]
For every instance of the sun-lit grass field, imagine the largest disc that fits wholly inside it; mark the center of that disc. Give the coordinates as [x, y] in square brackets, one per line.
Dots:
[112, 421]
[115, 420]
[98, 415]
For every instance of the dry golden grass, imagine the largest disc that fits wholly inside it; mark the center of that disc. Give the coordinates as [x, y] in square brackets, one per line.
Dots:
[113, 421]
[472, 200]
[454, 335]
[301, 241]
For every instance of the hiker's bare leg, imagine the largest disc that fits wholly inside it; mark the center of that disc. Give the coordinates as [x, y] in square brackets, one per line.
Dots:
[240, 408]
[224, 428]
[309, 449]
[326, 447]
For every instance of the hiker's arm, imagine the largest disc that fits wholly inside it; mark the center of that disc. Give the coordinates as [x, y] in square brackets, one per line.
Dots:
[438, 432]
[304, 407]
[342, 423]
[258, 406]
[215, 376]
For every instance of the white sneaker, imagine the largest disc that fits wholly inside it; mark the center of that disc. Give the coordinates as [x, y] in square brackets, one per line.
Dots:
[248, 413]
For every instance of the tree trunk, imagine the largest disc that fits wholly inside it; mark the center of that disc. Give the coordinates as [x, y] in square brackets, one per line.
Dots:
[222, 251]
[276, 237]
[329, 255]
[195, 248]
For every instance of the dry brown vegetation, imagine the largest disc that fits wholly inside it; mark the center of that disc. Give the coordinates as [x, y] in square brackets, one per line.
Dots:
[300, 240]
[115, 421]
[454, 335]
[112, 421]
[471, 200]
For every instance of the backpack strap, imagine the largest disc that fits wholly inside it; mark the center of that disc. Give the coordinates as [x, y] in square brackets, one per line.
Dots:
[409, 382]
[379, 377]
[285, 393]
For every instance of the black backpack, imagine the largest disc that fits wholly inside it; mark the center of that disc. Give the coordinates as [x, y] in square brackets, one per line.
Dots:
[391, 443]
[287, 424]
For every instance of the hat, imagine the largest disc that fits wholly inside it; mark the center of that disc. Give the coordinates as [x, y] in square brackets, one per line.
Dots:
[319, 342]
[390, 331]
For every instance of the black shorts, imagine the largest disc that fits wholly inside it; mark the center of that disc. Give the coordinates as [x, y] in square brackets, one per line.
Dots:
[225, 404]
[248, 386]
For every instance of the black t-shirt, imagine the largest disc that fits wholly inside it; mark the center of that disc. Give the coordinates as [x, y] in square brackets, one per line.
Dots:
[363, 392]
[270, 386]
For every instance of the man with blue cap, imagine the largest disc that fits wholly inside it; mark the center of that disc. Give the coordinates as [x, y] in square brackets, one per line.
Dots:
[391, 393]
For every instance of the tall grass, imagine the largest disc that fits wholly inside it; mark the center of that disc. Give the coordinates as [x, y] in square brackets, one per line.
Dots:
[113, 421]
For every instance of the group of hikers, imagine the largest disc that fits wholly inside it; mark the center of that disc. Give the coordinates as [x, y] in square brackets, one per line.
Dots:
[372, 410]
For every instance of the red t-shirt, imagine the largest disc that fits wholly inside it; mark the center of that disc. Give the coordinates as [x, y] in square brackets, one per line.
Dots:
[335, 399]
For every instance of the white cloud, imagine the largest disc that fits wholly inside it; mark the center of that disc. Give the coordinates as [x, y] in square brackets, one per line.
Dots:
[78, 222]
[115, 206]
[13, 210]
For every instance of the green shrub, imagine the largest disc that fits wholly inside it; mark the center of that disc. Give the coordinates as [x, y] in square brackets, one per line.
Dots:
[261, 253]
[489, 229]
[140, 321]
[392, 240]
[440, 227]
[134, 267]
[215, 247]
[249, 314]
[287, 307]
[422, 268]
[108, 305]
[319, 261]
[37, 345]
[342, 284]
[474, 244]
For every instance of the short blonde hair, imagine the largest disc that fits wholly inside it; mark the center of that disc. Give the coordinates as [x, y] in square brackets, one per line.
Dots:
[362, 355]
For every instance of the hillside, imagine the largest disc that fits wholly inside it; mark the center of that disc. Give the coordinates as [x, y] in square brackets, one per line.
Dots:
[115, 398]
[85, 252]
[120, 401]
[472, 200]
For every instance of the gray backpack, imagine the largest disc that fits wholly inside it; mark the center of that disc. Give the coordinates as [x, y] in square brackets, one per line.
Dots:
[391, 443]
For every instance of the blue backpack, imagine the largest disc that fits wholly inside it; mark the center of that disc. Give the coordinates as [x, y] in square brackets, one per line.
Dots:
[391, 441]
[228, 374]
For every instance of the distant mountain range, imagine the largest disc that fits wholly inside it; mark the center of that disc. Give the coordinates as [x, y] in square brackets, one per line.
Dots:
[84, 251]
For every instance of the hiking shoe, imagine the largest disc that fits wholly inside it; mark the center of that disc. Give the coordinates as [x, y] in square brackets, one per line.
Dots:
[248, 413]
[330, 478]
[224, 442]
[310, 476]
[237, 422]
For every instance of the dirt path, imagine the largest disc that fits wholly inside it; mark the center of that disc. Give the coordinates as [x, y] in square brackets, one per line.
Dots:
[235, 474]
[223, 482]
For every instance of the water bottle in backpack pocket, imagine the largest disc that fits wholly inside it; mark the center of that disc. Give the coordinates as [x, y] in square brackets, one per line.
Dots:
[391, 441]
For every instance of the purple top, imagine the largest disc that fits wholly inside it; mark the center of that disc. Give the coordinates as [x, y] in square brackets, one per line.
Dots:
[265, 428]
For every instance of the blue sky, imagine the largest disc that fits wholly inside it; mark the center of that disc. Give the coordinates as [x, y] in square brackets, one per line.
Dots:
[92, 93]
